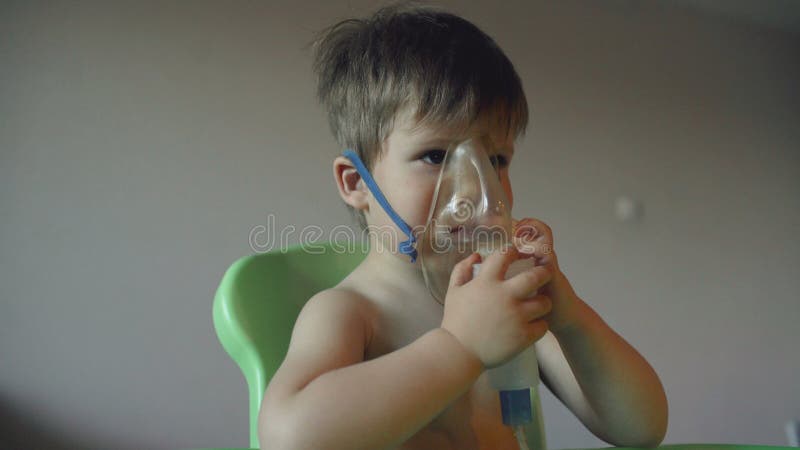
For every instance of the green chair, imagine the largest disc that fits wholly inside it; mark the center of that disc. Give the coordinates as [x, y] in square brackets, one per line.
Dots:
[258, 301]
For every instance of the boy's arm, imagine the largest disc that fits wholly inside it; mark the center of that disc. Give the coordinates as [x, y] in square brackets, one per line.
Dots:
[589, 367]
[603, 380]
[326, 396]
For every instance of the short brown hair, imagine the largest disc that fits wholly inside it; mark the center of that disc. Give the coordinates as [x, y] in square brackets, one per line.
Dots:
[406, 55]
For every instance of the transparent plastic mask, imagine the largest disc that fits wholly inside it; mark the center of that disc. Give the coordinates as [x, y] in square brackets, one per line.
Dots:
[470, 212]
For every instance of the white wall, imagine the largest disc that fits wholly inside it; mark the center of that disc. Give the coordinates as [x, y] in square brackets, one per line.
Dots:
[140, 142]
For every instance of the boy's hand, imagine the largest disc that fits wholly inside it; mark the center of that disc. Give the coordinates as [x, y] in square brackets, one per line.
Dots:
[492, 317]
[534, 237]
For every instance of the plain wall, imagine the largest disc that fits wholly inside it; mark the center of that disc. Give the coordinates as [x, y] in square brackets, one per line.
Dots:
[141, 142]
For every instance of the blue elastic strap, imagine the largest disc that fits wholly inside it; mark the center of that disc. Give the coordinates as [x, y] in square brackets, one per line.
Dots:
[405, 247]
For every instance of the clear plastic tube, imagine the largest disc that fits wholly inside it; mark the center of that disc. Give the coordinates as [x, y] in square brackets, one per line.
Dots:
[519, 433]
[516, 382]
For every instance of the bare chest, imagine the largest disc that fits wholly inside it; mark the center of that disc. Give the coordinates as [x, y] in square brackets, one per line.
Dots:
[472, 422]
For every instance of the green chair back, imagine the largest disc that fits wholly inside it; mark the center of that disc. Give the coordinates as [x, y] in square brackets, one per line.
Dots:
[258, 301]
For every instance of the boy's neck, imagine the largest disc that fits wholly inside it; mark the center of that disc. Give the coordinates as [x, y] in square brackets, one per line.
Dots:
[389, 267]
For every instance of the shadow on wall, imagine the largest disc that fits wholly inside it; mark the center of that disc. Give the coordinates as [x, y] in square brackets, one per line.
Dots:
[21, 430]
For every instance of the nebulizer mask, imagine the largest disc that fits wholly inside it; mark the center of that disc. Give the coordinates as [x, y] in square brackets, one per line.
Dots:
[470, 212]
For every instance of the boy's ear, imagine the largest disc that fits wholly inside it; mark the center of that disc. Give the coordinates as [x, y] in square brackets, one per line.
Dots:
[352, 188]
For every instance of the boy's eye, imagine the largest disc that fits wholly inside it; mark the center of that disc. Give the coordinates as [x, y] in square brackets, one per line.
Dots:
[434, 157]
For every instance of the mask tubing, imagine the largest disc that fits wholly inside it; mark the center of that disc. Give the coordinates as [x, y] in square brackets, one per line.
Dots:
[519, 433]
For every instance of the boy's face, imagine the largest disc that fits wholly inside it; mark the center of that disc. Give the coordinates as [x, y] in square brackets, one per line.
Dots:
[408, 168]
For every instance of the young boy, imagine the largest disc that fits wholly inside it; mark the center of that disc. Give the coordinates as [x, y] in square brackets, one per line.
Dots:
[376, 362]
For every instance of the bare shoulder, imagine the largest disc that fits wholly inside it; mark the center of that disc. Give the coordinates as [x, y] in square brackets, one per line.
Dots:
[338, 300]
[332, 331]
[332, 312]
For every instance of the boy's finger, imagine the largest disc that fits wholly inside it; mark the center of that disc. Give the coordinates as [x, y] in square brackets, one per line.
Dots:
[532, 228]
[536, 307]
[526, 283]
[528, 248]
[462, 272]
[497, 263]
[525, 229]
[536, 330]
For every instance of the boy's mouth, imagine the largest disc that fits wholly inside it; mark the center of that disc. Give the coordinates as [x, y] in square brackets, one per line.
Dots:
[461, 233]
[458, 229]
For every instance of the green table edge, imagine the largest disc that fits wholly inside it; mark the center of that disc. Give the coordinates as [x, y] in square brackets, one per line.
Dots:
[661, 447]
